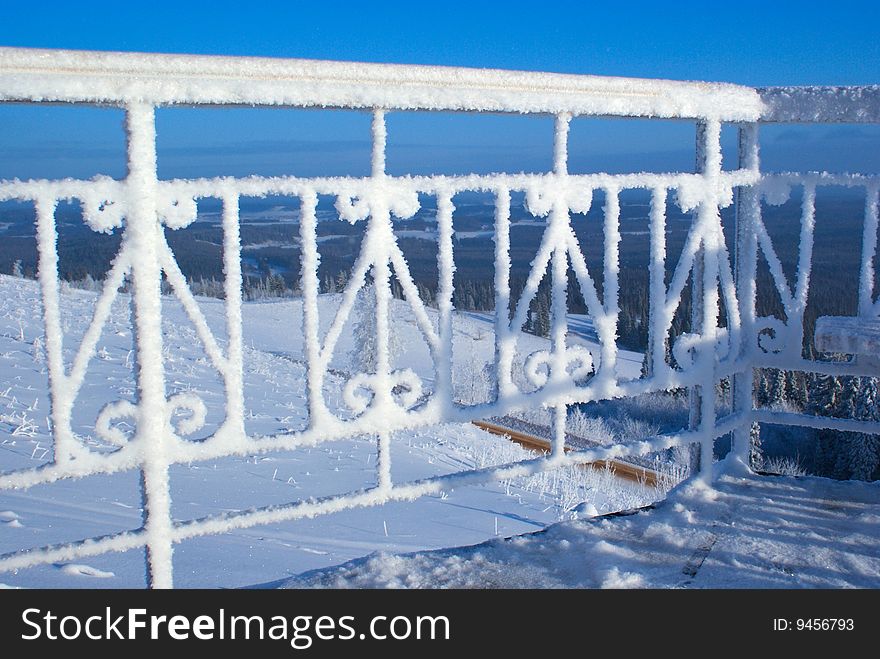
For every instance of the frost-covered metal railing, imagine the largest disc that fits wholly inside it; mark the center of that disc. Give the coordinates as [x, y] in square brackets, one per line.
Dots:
[141, 205]
[775, 342]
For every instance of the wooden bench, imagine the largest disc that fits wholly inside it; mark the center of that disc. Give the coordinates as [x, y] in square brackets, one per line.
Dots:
[850, 335]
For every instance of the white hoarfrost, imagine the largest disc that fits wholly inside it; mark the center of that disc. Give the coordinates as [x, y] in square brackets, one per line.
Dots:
[150, 427]
[275, 395]
[821, 104]
[47, 75]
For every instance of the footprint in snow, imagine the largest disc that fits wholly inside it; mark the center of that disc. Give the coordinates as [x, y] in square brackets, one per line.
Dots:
[77, 570]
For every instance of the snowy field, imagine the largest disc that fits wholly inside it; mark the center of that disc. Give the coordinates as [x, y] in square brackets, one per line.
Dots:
[749, 532]
[274, 402]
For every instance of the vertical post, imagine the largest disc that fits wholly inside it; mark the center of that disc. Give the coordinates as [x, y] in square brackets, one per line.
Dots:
[61, 402]
[383, 461]
[559, 332]
[655, 359]
[381, 222]
[795, 315]
[694, 393]
[309, 261]
[745, 262]
[560, 144]
[232, 290]
[608, 325]
[143, 234]
[504, 347]
[709, 164]
[559, 282]
[869, 249]
[445, 290]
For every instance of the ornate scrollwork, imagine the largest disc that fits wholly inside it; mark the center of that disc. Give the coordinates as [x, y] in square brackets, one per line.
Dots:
[111, 412]
[579, 363]
[102, 206]
[123, 409]
[177, 212]
[684, 350]
[775, 191]
[187, 402]
[771, 334]
[353, 208]
[401, 200]
[690, 193]
[404, 386]
[687, 345]
[541, 197]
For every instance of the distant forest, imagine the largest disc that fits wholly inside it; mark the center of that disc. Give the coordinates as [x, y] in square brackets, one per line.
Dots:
[270, 254]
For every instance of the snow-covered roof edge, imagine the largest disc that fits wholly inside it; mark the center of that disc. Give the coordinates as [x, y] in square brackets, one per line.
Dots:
[859, 104]
[116, 78]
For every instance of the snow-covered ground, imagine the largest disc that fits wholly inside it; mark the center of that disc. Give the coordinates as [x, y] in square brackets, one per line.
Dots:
[748, 532]
[274, 401]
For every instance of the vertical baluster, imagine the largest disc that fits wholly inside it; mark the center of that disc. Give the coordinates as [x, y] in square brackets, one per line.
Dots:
[383, 397]
[747, 213]
[143, 234]
[655, 360]
[559, 282]
[47, 243]
[559, 332]
[445, 270]
[608, 324]
[309, 260]
[560, 144]
[710, 164]
[381, 222]
[795, 349]
[232, 292]
[380, 139]
[694, 393]
[869, 249]
[383, 461]
[504, 347]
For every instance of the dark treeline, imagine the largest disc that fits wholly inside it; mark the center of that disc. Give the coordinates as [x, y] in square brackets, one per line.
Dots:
[270, 256]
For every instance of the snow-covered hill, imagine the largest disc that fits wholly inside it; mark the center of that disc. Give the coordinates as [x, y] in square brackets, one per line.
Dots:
[274, 401]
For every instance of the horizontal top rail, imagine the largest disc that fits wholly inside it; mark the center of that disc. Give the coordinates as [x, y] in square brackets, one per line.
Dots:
[118, 78]
[858, 104]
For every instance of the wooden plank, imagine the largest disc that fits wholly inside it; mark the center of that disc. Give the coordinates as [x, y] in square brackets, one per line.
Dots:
[622, 469]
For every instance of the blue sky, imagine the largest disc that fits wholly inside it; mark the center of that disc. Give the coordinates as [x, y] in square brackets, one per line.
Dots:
[754, 43]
